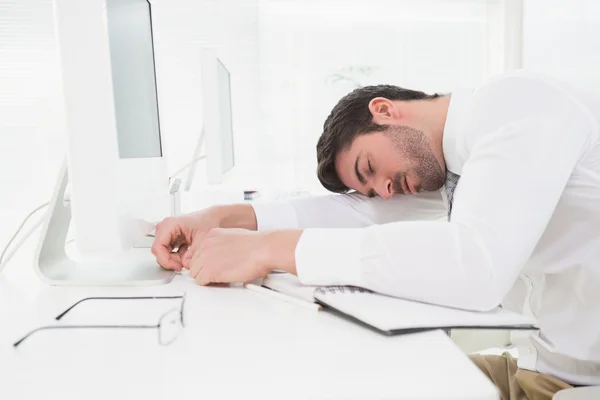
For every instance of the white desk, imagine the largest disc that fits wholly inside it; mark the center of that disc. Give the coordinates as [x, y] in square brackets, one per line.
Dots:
[238, 344]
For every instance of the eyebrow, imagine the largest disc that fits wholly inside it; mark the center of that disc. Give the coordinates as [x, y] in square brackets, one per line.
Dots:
[360, 177]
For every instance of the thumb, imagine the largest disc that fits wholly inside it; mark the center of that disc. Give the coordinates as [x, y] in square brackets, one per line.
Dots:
[185, 260]
[197, 239]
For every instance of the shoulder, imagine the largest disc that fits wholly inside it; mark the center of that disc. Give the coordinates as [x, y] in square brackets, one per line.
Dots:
[517, 95]
[520, 96]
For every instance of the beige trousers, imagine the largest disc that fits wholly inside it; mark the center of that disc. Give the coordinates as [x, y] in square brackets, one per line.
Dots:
[517, 384]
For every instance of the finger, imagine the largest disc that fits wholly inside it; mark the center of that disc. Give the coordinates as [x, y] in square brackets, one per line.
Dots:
[187, 259]
[178, 242]
[163, 246]
[188, 256]
[195, 266]
[204, 273]
[169, 260]
[183, 248]
[174, 262]
[202, 279]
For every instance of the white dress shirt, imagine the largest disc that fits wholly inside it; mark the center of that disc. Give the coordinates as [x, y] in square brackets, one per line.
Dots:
[524, 230]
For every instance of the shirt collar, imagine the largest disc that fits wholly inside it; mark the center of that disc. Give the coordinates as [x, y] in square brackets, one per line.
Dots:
[459, 99]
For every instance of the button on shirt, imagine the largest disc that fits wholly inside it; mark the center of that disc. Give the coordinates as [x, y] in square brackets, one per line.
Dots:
[523, 186]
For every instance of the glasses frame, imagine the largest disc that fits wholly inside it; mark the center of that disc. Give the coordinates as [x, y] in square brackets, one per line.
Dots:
[156, 326]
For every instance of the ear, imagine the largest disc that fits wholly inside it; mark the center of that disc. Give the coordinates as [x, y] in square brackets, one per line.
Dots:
[383, 110]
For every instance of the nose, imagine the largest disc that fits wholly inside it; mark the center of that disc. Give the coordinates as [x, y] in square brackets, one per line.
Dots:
[384, 189]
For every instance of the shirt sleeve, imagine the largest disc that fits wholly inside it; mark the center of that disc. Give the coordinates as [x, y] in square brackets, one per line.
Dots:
[509, 187]
[347, 211]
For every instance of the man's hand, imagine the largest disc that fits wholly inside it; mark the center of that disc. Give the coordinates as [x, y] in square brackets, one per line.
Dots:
[187, 231]
[179, 233]
[239, 255]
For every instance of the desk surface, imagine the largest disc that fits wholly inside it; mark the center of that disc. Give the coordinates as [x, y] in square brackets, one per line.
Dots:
[237, 344]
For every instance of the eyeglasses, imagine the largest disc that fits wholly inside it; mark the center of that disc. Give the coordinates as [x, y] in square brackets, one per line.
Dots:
[169, 324]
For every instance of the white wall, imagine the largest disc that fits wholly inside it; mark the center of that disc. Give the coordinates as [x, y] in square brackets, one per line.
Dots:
[430, 45]
[31, 139]
[562, 38]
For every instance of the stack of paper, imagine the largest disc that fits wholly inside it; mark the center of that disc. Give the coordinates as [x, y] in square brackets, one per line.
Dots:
[392, 315]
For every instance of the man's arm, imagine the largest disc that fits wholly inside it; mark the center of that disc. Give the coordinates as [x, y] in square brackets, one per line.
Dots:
[235, 216]
[347, 211]
[237, 255]
[330, 211]
[187, 231]
[506, 196]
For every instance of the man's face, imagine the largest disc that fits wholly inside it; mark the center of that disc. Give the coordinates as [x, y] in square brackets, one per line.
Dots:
[398, 160]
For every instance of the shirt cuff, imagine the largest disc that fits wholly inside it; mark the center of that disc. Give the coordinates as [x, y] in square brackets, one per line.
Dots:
[271, 216]
[329, 257]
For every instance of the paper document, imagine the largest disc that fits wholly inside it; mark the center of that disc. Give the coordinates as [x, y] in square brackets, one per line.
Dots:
[290, 285]
[392, 315]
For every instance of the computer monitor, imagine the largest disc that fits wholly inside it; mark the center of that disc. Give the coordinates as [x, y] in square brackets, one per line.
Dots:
[118, 178]
[217, 122]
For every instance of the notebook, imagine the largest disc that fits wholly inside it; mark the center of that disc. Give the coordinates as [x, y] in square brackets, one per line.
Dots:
[290, 285]
[392, 316]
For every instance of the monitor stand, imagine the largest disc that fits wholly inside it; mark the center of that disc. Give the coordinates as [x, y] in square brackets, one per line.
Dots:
[54, 266]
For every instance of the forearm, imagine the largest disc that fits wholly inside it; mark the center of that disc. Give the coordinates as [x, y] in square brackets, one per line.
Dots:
[279, 250]
[374, 258]
[235, 216]
[347, 211]
[430, 261]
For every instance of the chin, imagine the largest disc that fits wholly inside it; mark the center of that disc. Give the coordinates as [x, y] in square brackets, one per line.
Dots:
[434, 187]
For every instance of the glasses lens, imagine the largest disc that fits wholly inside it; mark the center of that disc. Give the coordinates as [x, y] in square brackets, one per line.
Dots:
[169, 327]
[182, 316]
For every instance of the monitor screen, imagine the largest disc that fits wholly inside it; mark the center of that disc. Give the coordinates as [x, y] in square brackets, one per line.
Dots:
[227, 154]
[134, 78]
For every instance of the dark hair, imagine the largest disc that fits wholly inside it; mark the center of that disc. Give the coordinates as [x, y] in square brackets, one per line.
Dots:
[350, 118]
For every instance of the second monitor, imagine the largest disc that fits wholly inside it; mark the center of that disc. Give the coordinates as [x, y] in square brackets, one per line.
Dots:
[217, 127]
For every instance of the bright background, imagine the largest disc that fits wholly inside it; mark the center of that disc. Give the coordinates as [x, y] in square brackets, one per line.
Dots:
[290, 61]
